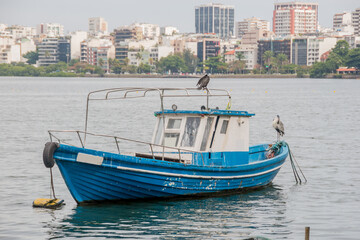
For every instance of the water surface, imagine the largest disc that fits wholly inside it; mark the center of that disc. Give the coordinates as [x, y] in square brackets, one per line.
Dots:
[321, 120]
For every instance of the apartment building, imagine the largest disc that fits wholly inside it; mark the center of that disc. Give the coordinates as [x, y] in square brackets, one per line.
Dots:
[10, 53]
[356, 21]
[97, 25]
[249, 24]
[97, 52]
[208, 47]
[215, 18]
[54, 50]
[50, 29]
[280, 45]
[293, 18]
[341, 19]
[308, 50]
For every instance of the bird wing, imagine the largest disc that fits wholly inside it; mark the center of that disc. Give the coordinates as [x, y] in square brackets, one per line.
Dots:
[201, 80]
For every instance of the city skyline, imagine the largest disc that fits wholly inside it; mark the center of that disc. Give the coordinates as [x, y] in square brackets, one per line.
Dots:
[74, 15]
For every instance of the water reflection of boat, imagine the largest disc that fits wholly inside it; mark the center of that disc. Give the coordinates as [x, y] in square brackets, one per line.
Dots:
[232, 216]
[192, 152]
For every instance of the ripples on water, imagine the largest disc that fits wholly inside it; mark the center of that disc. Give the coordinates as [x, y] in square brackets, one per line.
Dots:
[321, 120]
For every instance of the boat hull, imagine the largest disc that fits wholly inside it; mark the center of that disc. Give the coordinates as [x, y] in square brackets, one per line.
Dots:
[121, 177]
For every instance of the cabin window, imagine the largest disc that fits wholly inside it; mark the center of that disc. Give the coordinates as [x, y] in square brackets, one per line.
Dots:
[206, 133]
[224, 126]
[191, 129]
[159, 131]
[171, 139]
[174, 123]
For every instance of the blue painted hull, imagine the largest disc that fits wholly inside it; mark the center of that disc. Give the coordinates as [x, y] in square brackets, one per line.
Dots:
[122, 177]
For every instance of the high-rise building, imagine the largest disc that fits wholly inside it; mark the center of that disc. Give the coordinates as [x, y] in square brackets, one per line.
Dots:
[215, 18]
[76, 39]
[122, 36]
[53, 50]
[249, 24]
[208, 47]
[276, 46]
[341, 19]
[292, 18]
[97, 52]
[308, 50]
[356, 21]
[97, 25]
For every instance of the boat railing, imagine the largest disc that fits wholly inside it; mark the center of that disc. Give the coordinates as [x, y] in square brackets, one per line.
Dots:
[116, 138]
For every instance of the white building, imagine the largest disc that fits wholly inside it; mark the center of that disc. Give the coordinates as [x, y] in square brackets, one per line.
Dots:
[48, 52]
[95, 49]
[75, 42]
[249, 24]
[3, 27]
[308, 50]
[26, 45]
[148, 30]
[10, 53]
[50, 29]
[293, 18]
[97, 25]
[17, 31]
[169, 30]
[341, 19]
[356, 21]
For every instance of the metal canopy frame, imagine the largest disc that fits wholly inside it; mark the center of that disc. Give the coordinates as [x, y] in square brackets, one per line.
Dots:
[134, 92]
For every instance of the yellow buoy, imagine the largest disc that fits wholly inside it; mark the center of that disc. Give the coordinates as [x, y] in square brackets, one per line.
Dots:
[48, 202]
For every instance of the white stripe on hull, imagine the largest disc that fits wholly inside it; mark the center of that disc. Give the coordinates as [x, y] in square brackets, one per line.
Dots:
[198, 176]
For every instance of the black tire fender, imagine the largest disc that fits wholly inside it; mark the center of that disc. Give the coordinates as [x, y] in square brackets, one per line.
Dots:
[49, 149]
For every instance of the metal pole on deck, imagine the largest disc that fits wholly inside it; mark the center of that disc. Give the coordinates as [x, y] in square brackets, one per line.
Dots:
[163, 117]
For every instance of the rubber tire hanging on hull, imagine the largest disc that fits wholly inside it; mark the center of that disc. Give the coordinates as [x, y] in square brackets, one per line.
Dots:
[50, 148]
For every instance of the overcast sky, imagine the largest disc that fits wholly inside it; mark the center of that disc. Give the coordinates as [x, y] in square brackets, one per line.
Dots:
[74, 14]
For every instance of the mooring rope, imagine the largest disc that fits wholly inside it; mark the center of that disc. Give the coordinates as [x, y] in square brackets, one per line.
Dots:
[295, 166]
[52, 184]
[275, 150]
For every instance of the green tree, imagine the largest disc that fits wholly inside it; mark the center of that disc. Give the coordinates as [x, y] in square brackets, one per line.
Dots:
[353, 58]
[144, 68]
[58, 67]
[237, 66]
[31, 57]
[101, 62]
[172, 63]
[240, 56]
[73, 61]
[267, 57]
[319, 70]
[116, 66]
[190, 60]
[215, 65]
[341, 48]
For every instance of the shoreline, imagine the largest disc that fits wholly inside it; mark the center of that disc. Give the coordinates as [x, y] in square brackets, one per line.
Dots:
[239, 76]
[255, 76]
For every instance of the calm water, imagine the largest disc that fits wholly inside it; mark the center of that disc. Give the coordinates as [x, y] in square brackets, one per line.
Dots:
[322, 124]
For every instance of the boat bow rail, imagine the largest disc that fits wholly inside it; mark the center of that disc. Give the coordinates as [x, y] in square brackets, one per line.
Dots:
[178, 151]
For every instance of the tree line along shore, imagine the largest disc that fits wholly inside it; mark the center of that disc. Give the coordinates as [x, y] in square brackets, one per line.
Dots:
[187, 65]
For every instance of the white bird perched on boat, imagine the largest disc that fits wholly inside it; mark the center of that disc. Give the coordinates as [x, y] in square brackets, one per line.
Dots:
[203, 82]
[279, 127]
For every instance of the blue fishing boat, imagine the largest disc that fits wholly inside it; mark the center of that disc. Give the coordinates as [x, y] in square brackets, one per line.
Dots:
[192, 152]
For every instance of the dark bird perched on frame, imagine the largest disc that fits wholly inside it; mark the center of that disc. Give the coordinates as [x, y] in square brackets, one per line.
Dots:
[279, 127]
[203, 82]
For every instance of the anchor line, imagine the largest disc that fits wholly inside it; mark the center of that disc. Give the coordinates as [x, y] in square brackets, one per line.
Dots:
[295, 166]
[52, 184]
[299, 167]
